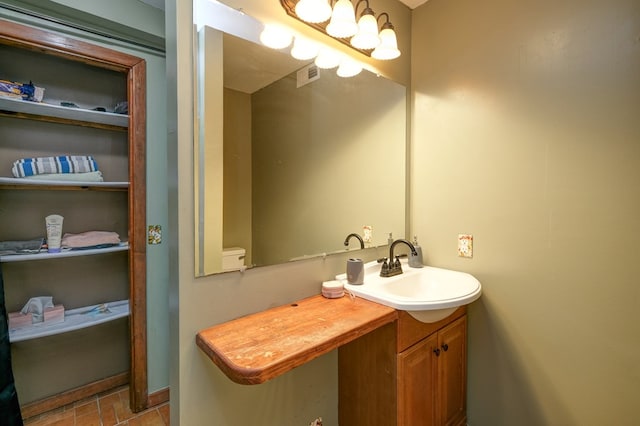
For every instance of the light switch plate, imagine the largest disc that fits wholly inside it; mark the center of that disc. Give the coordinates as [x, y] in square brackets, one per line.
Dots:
[465, 245]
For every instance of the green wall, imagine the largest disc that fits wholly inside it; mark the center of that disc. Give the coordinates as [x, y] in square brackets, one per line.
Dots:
[525, 134]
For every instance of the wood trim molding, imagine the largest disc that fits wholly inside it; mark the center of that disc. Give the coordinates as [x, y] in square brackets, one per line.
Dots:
[158, 397]
[24, 36]
[65, 398]
[137, 235]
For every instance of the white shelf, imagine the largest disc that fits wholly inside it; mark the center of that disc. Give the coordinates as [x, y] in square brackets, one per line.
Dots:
[74, 319]
[7, 258]
[66, 113]
[43, 182]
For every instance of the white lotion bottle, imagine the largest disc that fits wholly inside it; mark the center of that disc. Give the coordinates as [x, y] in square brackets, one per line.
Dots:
[54, 232]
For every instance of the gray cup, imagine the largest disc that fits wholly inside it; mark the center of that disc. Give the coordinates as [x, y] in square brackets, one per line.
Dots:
[355, 271]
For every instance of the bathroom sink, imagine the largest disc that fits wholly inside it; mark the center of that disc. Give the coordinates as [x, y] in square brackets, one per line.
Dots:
[428, 294]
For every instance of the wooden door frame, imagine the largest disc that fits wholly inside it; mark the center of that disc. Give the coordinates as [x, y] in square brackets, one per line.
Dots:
[134, 68]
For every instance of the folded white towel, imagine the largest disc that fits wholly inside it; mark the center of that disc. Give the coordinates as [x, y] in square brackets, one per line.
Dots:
[76, 177]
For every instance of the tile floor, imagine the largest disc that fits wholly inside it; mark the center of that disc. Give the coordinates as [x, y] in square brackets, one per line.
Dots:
[110, 409]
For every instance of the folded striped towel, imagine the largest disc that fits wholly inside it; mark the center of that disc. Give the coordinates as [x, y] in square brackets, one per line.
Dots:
[47, 165]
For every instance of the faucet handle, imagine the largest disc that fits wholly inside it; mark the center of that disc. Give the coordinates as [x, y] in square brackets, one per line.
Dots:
[385, 266]
[397, 265]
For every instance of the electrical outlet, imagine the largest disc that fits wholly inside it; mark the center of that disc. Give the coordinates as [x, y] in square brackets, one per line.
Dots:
[465, 245]
[367, 233]
[154, 234]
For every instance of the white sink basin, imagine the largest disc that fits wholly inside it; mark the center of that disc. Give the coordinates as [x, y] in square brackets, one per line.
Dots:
[428, 294]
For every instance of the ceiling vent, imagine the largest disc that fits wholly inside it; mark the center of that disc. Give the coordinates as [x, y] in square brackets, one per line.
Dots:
[308, 74]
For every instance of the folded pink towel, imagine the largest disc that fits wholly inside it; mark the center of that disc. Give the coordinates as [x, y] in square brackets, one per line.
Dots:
[89, 239]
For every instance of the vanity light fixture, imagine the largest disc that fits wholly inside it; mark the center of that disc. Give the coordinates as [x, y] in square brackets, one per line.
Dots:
[367, 35]
[363, 35]
[314, 11]
[388, 47]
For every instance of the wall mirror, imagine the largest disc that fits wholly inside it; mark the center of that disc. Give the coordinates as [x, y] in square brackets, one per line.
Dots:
[286, 168]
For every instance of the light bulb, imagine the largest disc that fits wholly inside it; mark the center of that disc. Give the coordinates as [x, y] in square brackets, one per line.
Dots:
[304, 49]
[367, 36]
[327, 58]
[388, 47]
[343, 20]
[275, 37]
[313, 11]
[348, 68]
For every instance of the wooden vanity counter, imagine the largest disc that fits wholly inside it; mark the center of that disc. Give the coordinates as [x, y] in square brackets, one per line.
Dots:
[264, 345]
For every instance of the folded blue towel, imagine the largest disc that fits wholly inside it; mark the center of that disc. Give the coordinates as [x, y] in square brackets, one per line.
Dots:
[48, 165]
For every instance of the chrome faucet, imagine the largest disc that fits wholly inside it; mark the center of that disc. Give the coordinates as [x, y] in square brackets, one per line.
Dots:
[394, 267]
[358, 237]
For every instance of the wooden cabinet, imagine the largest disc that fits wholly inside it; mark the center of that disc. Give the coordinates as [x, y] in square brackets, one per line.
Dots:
[432, 378]
[451, 406]
[60, 364]
[406, 374]
[418, 376]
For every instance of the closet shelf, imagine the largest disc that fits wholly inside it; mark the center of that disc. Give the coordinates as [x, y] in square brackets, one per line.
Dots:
[21, 183]
[74, 319]
[71, 253]
[59, 114]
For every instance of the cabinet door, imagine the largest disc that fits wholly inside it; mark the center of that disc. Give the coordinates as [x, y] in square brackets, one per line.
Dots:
[417, 368]
[452, 373]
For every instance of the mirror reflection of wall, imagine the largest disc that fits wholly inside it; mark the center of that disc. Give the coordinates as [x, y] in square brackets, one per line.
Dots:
[289, 171]
[305, 166]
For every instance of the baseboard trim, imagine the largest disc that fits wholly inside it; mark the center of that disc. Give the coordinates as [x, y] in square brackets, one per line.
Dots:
[158, 397]
[35, 408]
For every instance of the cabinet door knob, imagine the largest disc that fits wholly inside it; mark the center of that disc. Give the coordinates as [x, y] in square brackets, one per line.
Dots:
[436, 351]
[445, 347]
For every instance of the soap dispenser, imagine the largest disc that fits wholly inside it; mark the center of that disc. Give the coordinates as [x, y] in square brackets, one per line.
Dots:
[415, 261]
